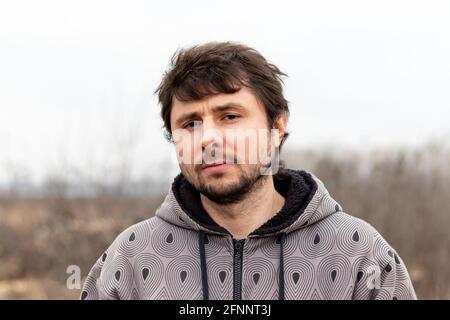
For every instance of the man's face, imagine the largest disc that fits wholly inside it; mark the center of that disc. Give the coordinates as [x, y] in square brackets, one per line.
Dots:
[228, 130]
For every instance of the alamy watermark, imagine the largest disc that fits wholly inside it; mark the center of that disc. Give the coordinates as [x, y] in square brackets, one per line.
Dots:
[232, 146]
[73, 282]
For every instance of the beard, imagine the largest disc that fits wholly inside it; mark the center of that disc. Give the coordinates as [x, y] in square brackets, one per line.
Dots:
[248, 180]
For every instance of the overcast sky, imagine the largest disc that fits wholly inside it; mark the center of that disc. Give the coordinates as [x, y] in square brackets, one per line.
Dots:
[77, 77]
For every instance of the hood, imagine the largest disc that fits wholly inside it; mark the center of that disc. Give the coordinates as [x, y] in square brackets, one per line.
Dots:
[306, 202]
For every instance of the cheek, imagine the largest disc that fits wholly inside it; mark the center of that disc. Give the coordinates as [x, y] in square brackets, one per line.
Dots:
[245, 148]
[189, 170]
[188, 150]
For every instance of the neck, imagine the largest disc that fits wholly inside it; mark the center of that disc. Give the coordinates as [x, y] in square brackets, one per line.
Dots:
[242, 218]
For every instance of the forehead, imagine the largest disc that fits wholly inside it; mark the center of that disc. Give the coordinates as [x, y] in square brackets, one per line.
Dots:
[244, 97]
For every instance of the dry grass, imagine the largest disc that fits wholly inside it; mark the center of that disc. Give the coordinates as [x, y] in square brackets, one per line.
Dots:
[40, 238]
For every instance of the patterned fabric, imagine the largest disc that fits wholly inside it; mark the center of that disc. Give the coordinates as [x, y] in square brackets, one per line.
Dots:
[327, 254]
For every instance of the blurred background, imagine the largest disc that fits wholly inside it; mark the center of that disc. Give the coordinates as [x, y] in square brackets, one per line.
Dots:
[82, 152]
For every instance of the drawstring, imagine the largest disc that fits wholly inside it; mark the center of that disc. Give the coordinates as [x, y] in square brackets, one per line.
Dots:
[201, 246]
[281, 274]
[205, 289]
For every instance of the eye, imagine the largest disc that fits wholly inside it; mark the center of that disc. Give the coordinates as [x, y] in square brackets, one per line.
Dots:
[189, 125]
[231, 117]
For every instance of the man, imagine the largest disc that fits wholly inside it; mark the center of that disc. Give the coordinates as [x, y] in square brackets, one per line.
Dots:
[235, 224]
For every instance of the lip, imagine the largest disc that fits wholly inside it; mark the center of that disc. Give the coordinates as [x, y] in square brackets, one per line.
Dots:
[212, 165]
[216, 167]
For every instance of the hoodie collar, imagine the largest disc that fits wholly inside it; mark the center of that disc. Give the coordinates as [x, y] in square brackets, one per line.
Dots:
[305, 196]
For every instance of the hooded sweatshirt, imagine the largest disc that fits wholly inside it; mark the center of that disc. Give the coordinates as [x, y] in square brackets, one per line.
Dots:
[310, 249]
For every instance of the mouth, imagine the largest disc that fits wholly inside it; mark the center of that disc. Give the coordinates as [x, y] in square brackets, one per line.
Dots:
[216, 167]
[212, 164]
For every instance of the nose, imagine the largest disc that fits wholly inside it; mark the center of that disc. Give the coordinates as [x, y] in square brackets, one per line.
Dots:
[211, 136]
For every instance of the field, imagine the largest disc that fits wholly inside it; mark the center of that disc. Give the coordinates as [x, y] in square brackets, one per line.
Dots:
[403, 193]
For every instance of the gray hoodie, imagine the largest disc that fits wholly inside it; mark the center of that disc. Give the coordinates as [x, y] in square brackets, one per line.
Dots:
[310, 250]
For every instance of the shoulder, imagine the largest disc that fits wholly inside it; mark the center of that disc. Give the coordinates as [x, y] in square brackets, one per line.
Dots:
[112, 276]
[356, 237]
[133, 239]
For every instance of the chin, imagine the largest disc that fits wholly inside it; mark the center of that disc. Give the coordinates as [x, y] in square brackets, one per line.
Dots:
[218, 183]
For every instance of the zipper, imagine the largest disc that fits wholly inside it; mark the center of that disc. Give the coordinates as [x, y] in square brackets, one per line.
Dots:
[238, 246]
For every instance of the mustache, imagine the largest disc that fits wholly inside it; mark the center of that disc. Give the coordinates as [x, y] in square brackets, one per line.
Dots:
[210, 159]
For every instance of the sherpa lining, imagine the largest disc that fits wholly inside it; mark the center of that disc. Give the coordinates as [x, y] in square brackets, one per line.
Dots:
[297, 187]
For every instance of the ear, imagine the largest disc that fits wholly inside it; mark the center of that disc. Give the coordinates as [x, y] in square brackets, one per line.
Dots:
[280, 124]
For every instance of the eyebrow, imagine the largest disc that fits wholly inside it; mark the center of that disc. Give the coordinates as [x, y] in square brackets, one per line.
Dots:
[215, 109]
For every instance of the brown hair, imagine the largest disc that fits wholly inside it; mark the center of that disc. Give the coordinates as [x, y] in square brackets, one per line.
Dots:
[221, 67]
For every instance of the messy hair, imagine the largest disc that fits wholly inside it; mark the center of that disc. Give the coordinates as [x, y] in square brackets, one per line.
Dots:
[221, 67]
